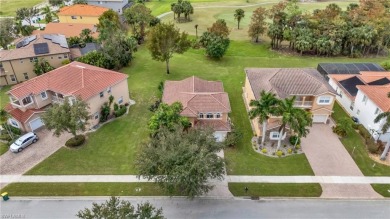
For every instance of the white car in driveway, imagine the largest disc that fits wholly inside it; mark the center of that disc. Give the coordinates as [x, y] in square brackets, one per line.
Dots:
[23, 142]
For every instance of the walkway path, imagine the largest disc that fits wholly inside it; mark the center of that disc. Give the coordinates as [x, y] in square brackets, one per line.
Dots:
[228, 179]
[328, 157]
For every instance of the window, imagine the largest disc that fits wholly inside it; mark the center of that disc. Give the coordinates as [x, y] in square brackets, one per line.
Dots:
[81, 17]
[201, 116]
[364, 99]
[120, 100]
[109, 90]
[96, 116]
[352, 105]
[218, 115]
[13, 123]
[51, 57]
[25, 76]
[27, 101]
[341, 94]
[358, 112]
[101, 94]
[74, 17]
[44, 95]
[65, 56]
[377, 111]
[21, 60]
[59, 57]
[274, 136]
[324, 100]
[35, 59]
[210, 115]
[13, 78]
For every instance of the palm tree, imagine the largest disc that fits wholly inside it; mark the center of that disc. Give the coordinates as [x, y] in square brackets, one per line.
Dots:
[262, 109]
[196, 30]
[385, 127]
[238, 16]
[3, 118]
[48, 14]
[296, 118]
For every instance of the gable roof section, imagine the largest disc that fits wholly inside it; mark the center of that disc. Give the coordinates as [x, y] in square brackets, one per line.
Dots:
[285, 82]
[197, 95]
[67, 29]
[77, 79]
[19, 114]
[82, 10]
[56, 45]
[378, 94]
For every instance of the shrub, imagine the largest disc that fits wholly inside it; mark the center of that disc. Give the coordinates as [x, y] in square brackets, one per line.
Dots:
[339, 131]
[355, 126]
[5, 137]
[116, 106]
[264, 151]
[289, 151]
[155, 106]
[293, 139]
[75, 141]
[279, 153]
[104, 112]
[14, 130]
[122, 110]
[284, 145]
[161, 86]
[372, 147]
[363, 132]
[65, 62]
[232, 138]
[386, 65]
[298, 146]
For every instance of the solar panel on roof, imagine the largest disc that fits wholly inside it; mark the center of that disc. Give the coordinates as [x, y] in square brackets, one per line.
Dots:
[350, 85]
[347, 68]
[382, 81]
[26, 41]
[41, 48]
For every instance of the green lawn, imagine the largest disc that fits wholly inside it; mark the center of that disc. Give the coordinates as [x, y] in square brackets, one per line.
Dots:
[360, 155]
[383, 189]
[3, 148]
[3, 96]
[9, 7]
[83, 189]
[111, 150]
[276, 189]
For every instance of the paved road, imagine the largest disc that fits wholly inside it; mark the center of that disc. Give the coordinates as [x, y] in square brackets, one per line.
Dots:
[328, 157]
[207, 208]
[19, 163]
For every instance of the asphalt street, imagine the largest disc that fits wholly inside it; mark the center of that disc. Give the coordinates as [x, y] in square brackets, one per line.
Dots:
[64, 207]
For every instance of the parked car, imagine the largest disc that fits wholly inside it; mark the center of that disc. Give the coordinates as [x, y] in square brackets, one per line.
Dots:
[24, 142]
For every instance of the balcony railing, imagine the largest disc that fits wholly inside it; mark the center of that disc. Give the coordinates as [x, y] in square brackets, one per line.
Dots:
[57, 99]
[303, 103]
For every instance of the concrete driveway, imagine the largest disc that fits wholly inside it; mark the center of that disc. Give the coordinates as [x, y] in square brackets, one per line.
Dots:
[20, 163]
[328, 157]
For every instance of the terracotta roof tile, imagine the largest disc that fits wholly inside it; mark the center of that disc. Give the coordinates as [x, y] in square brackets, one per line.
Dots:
[19, 114]
[378, 94]
[285, 82]
[197, 95]
[67, 29]
[28, 50]
[82, 10]
[77, 79]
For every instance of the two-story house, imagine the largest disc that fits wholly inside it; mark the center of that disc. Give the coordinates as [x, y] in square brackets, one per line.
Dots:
[116, 5]
[81, 14]
[17, 65]
[364, 96]
[94, 85]
[312, 92]
[205, 103]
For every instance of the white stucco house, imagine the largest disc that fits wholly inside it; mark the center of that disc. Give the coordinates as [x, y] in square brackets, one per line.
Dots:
[364, 96]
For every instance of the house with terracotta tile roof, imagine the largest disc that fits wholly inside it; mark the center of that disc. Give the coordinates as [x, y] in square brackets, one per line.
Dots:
[311, 90]
[205, 103]
[17, 65]
[81, 14]
[364, 96]
[94, 85]
[67, 29]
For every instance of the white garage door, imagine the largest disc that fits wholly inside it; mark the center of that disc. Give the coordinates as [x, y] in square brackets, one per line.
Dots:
[220, 136]
[36, 123]
[320, 118]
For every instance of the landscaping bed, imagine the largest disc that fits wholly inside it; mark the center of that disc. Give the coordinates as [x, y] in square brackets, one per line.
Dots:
[276, 189]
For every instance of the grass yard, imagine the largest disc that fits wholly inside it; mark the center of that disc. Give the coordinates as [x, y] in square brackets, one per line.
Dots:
[83, 189]
[112, 149]
[276, 189]
[3, 148]
[3, 96]
[383, 189]
[9, 7]
[360, 155]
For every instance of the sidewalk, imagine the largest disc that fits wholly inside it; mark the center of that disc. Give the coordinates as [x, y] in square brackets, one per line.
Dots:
[229, 179]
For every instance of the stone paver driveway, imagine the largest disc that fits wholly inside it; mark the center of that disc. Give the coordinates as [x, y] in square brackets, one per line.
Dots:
[20, 163]
[328, 157]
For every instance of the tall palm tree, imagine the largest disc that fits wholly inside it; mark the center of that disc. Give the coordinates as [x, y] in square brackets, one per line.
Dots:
[3, 119]
[48, 14]
[385, 127]
[262, 109]
[238, 15]
[296, 118]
